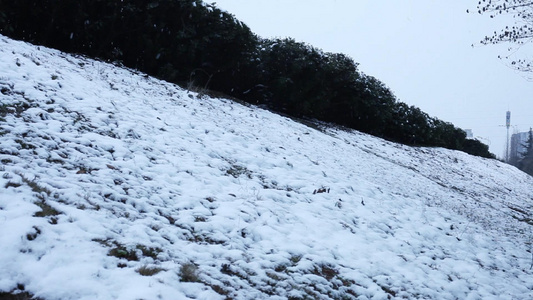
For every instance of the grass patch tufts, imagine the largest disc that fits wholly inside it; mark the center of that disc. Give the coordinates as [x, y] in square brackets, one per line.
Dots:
[149, 251]
[123, 252]
[12, 184]
[17, 296]
[189, 273]
[149, 271]
[35, 186]
[46, 210]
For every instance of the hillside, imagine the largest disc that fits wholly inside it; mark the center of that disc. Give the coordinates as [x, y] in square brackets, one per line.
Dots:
[118, 186]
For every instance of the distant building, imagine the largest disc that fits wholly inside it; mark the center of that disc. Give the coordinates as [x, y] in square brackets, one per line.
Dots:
[469, 134]
[518, 147]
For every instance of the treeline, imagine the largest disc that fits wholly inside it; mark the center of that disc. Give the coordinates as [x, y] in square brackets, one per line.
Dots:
[196, 44]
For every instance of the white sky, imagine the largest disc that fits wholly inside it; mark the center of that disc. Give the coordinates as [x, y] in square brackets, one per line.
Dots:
[421, 49]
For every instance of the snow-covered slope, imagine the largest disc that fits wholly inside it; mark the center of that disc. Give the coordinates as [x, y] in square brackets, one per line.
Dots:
[118, 186]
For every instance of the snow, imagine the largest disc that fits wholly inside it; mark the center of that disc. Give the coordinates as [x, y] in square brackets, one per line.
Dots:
[101, 163]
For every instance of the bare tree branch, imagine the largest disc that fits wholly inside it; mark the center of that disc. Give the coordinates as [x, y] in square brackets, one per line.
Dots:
[518, 34]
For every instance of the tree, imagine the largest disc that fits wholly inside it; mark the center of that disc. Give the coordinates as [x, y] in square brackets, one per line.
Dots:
[183, 41]
[295, 77]
[526, 163]
[520, 34]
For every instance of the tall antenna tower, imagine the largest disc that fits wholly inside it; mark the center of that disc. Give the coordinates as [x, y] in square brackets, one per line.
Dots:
[508, 125]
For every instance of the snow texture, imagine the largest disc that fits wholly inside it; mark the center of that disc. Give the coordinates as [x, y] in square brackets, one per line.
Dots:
[115, 185]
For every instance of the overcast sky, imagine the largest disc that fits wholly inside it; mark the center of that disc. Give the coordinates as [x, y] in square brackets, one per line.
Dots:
[421, 49]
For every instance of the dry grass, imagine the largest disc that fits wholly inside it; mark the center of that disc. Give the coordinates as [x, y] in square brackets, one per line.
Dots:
[149, 271]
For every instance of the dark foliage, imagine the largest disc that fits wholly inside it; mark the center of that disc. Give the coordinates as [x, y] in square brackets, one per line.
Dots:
[176, 40]
[190, 42]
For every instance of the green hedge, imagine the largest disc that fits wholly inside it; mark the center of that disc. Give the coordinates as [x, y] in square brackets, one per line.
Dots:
[196, 44]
